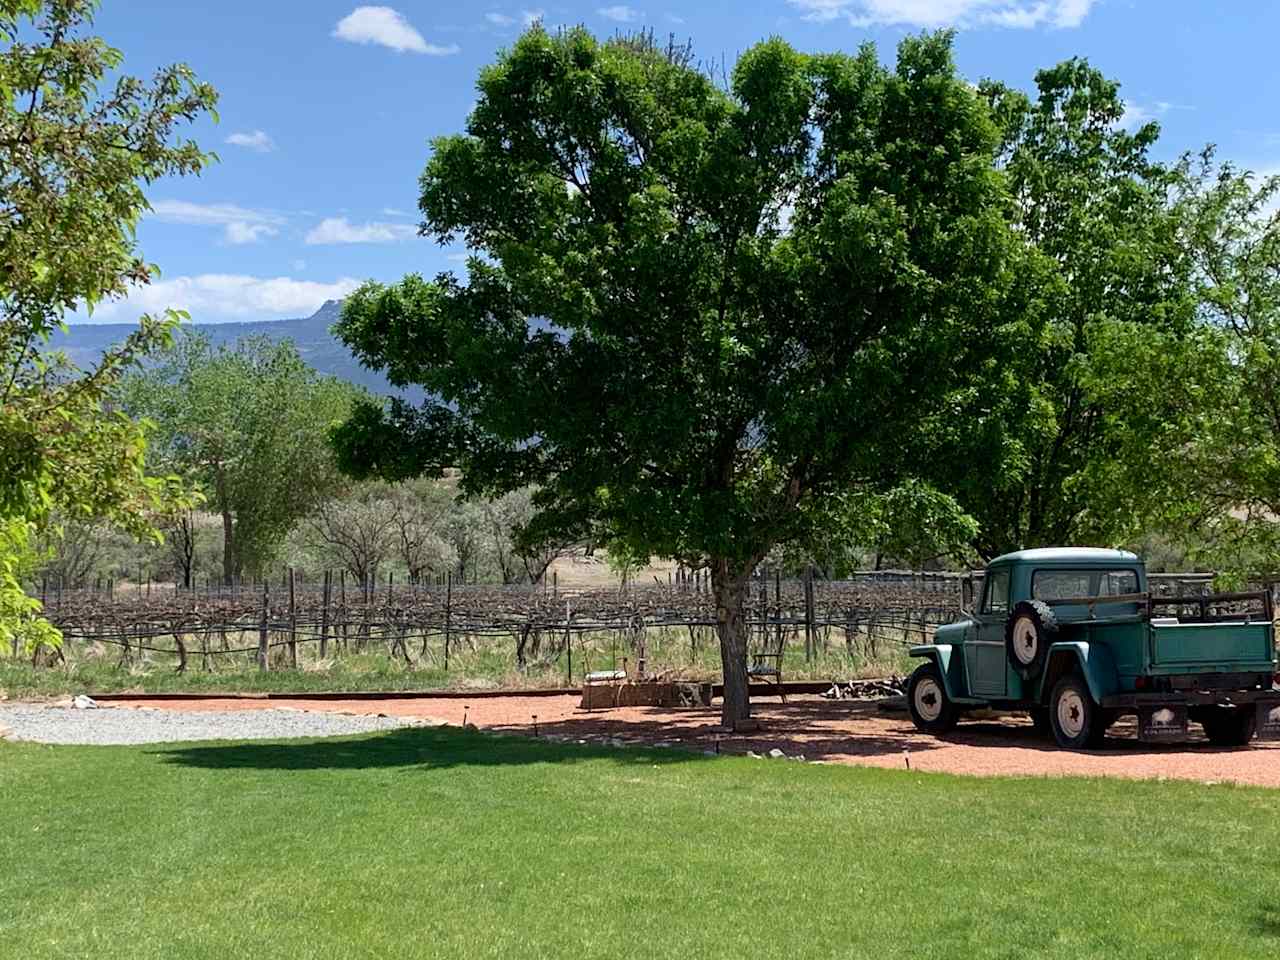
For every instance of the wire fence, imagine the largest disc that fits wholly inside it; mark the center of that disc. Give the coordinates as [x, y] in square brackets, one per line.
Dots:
[275, 623]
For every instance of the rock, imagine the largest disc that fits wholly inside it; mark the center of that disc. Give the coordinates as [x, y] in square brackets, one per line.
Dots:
[753, 755]
[777, 754]
[799, 756]
[83, 702]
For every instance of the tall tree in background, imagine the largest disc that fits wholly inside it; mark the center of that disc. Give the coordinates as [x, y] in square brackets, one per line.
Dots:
[73, 162]
[1201, 411]
[248, 424]
[702, 311]
[1106, 264]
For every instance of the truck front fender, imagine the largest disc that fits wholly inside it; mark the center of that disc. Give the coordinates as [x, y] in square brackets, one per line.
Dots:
[951, 667]
[1092, 661]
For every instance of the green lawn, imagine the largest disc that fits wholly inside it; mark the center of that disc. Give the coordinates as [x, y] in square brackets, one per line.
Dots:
[438, 843]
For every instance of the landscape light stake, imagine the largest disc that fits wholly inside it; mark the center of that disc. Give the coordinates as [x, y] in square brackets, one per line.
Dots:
[535, 724]
[906, 756]
[465, 709]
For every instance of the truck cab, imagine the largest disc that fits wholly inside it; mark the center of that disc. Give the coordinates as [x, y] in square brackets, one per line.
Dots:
[1075, 637]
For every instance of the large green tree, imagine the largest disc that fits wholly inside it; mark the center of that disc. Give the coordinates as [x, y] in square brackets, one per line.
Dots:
[247, 425]
[696, 312]
[1106, 264]
[78, 142]
[1200, 412]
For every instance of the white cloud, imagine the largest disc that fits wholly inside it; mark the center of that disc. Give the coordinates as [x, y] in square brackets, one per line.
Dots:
[620, 13]
[673, 18]
[1136, 114]
[530, 17]
[500, 19]
[227, 296]
[239, 233]
[258, 140]
[333, 230]
[395, 212]
[386, 27]
[240, 224]
[1019, 14]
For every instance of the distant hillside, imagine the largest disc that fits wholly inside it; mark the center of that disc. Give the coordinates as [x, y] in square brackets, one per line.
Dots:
[84, 343]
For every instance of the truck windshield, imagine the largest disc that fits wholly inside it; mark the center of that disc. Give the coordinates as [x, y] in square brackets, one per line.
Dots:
[1061, 584]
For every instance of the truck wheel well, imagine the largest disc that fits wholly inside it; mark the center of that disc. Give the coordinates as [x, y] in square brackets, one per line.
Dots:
[1061, 662]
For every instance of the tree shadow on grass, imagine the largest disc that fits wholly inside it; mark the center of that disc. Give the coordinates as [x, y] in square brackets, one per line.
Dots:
[432, 748]
[1267, 922]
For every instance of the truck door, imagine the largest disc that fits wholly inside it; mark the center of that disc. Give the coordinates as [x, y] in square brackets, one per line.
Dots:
[985, 657]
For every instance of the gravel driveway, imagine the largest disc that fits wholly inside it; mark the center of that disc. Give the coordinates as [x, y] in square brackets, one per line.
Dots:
[122, 725]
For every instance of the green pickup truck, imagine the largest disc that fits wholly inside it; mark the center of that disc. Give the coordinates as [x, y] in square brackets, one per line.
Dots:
[1075, 637]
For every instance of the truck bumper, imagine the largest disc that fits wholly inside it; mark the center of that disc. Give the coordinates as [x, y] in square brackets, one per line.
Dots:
[1164, 716]
[1192, 698]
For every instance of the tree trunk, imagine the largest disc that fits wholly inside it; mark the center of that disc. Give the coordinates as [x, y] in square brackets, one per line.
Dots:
[730, 588]
[228, 550]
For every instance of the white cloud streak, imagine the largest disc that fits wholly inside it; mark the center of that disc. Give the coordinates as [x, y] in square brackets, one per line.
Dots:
[620, 13]
[339, 230]
[227, 296]
[258, 140]
[1012, 14]
[240, 225]
[386, 27]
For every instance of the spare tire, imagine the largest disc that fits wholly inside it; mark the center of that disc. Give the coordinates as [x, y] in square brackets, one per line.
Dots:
[1027, 636]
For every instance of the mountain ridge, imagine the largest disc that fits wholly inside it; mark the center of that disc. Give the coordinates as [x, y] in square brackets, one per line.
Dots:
[84, 343]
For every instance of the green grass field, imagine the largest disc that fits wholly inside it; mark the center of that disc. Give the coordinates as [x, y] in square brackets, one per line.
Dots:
[439, 843]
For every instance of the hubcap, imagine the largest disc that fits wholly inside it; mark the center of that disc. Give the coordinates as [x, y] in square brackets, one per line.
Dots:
[1071, 713]
[929, 699]
[1025, 641]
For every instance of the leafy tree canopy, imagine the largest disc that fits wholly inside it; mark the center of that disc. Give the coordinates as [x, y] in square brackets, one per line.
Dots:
[695, 313]
[247, 424]
[1106, 266]
[73, 164]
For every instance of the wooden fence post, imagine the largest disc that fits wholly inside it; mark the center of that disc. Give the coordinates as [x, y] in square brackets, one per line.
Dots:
[263, 659]
[448, 610]
[324, 613]
[293, 623]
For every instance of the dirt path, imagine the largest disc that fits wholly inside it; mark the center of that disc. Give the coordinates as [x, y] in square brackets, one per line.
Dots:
[837, 732]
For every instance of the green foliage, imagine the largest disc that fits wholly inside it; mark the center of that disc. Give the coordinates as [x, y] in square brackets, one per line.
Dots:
[699, 308]
[22, 629]
[1105, 270]
[1200, 411]
[72, 168]
[247, 424]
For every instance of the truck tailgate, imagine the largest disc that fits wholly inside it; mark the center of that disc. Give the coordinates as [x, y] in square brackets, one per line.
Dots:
[1212, 647]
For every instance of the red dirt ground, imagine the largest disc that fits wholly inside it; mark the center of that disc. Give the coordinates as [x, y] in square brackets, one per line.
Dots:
[818, 729]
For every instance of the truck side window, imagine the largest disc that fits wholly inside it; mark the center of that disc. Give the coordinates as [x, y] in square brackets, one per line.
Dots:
[997, 595]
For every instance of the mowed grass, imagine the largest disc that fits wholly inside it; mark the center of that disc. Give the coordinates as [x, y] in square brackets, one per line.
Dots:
[443, 843]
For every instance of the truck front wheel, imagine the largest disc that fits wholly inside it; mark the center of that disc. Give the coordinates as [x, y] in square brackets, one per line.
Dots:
[1077, 721]
[1228, 726]
[931, 709]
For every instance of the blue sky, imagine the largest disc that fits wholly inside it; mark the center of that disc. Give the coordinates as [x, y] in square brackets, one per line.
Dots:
[326, 109]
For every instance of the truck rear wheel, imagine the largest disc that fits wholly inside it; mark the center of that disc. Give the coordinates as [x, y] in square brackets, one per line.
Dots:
[1027, 636]
[1229, 726]
[1077, 721]
[931, 709]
